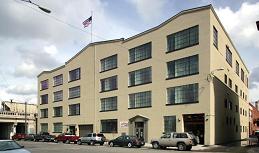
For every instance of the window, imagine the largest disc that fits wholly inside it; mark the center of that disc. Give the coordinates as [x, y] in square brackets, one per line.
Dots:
[247, 82]
[241, 93]
[44, 99]
[44, 113]
[215, 37]
[141, 76]
[183, 67]
[236, 109]
[74, 75]
[236, 89]
[183, 39]
[226, 79]
[182, 94]
[230, 105]
[230, 83]
[58, 111]
[141, 99]
[227, 120]
[242, 75]
[140, 53]
[44, 127]
[58, 127]
[169, 124]
[226, 103]
[108, 104]
[58, 80]
[74, 92]
[44, 84]
[58, 95]
[240, 111]
[237, 68]
[228, 56]
[109, 63]
[109, 84]
[109, 126]
[74, 109]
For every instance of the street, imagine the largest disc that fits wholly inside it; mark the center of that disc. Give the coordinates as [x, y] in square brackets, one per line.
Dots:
[44, 147]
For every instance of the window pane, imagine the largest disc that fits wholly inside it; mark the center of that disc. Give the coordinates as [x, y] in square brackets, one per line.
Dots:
[58, 111]
[183, 67]
[44, 84]
[44, 127]
[74, 109]
[109, 126]
[58, 127]
[182, 94]
[58, 96]
[108, 84]
[109, 63]
[44, 99]
[141, 99]
[228, 56]
[141, 76]
[108, 104]
[169, 124]
[58, 80]
[140, 53]
[215, 37]
[74, 92]
[44, 113]
[74, 74]
[182, 39]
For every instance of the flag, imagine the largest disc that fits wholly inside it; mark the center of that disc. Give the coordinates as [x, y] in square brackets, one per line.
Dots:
[87, 22]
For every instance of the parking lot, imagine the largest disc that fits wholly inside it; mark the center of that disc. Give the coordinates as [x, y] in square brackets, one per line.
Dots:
[45, 147]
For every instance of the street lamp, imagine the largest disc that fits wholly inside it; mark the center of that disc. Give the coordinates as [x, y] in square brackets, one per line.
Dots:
[257, 23]
[211, 75]
[42, 8]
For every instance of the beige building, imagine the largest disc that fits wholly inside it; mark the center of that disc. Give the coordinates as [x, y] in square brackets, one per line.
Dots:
[182, 75]
[12, 118]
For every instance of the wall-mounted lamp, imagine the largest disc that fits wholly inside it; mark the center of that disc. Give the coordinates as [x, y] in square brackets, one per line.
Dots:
[179, 120]
[211, 75]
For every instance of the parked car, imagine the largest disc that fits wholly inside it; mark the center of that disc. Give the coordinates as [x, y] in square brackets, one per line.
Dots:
[29, 137]
[18, 136]
[44, 136]
[126, 140]
[92, 138]
[67, 138]
[10, 146]
[183, 141]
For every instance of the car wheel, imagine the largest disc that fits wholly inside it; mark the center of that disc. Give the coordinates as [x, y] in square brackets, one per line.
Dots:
[111, 144]
[79, 142]
[92, 143]
[101, 143]
[67, 142]
[181, 146]
[155, 145]
[129, 145]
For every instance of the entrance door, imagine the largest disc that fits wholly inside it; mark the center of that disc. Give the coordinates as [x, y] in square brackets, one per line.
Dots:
[139, 130]
[195, 123]
[72, 130]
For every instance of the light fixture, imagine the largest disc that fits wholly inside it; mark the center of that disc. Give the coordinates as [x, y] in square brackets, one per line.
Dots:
[211, 75]
[40, 7]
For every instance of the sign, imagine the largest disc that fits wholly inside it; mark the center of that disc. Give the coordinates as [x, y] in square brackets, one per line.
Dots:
[124, 124]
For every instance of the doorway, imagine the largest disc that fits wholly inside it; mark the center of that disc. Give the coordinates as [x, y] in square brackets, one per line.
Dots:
[194, 123]
[72, 130]
[139, 129]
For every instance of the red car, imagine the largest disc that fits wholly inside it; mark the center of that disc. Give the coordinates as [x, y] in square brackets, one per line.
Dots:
[18, 136]
[67, 138]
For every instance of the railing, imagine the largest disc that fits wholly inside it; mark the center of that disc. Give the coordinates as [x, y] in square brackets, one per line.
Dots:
[8, 114]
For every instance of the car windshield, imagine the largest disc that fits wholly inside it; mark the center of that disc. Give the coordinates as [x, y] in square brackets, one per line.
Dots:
[9, 145]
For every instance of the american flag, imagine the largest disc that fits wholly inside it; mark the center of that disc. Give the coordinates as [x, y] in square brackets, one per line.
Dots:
[87, 22]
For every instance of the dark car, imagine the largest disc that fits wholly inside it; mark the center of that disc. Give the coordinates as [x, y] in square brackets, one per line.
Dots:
[44, 136]
[18, 136]
[126, 140]
[29, 137]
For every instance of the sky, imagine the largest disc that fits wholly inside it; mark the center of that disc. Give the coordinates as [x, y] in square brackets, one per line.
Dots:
[32, 41]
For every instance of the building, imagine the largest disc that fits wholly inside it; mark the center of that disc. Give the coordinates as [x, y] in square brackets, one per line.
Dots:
[182, 75]
[254, 118]
[12, 118]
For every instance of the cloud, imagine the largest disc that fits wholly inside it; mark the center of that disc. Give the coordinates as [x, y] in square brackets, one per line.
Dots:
[241, 23]
[36, 60]
[254, 78]
[149, 9]
[22, 89]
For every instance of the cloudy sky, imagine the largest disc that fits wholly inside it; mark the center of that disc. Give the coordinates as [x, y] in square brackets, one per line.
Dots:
[32, 41]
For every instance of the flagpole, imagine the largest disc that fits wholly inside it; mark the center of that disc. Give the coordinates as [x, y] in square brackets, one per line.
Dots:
[92, 27]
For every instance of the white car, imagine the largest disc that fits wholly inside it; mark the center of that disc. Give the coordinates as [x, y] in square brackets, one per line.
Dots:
[10, 146]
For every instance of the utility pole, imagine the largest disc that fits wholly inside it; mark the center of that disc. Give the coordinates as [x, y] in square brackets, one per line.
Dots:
[26, 118]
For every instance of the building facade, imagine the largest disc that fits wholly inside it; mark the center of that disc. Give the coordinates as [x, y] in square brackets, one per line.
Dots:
[12, 118]
[183, 75]
[254, 118]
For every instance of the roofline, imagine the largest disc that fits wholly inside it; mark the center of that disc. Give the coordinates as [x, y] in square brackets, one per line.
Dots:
[214, 12]
[89, 45]
[169, 20]
[19, 103]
